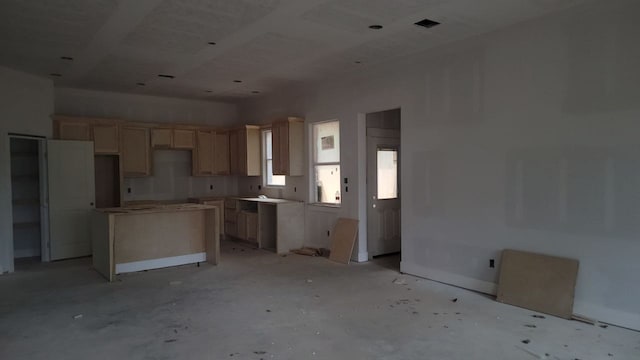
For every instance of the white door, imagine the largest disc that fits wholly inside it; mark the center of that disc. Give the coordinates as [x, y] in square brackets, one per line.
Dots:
[383, 190]
[71, 197]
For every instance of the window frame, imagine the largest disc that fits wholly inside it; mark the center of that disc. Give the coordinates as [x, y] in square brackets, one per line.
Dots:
[313, 163]
[264, 160]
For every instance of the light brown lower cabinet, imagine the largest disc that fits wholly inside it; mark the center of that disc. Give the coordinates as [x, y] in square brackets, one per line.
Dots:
[242, 225]
[252, 226]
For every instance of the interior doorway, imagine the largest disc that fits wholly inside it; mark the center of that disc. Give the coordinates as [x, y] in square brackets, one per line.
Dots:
[28, 199]
[383, 183]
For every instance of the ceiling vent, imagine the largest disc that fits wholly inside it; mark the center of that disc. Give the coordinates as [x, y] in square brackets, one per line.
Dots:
[426, 23]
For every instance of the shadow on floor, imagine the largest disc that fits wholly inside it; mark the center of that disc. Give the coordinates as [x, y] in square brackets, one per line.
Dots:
[390, 261]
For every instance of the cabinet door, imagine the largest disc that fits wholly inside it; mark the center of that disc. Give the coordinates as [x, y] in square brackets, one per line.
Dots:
[221, 154]
[184, 139]
[252, 160]
[242, 225]
[234, 149]
[296, 149]
[105, 139]
[135, 152]
[203, 164]
[161, 138]
[69, 130]
[280, 148]
[252, 227]
[275, 149]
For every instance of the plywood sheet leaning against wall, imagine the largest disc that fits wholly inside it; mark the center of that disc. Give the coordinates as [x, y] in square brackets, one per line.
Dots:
[538, 282]
[343, 238]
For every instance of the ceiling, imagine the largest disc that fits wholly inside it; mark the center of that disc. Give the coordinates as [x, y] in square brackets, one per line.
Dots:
[118, 45]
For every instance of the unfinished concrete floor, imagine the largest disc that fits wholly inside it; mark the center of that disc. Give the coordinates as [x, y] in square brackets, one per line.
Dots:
[257, 305]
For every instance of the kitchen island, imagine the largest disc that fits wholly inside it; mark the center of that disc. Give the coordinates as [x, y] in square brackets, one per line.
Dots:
[147, 237]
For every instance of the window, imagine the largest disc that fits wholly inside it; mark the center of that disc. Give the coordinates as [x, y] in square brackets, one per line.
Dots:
[387, 174]
[267, 161]
[326, 163]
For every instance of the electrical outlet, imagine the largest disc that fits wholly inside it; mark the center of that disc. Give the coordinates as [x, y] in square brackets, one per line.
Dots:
[129, 190]
[492, 263]
[210, 187]
[295, 189]
[328, 233]
[259, 187]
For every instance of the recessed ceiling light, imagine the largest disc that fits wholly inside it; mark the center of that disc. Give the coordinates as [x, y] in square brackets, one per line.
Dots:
[237, 81]
[166, 76]
[69, 58]
[211, 43]
[375, 27]
[56, 75]
[255, 92]
[427, 23]
[141, 84]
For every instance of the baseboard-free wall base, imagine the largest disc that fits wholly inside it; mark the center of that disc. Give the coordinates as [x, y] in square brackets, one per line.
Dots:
[602, 314]
[465, 282]
[160, 263]
[607, 315]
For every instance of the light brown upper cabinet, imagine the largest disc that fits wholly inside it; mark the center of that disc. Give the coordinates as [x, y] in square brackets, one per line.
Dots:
[203, 153]
[244, 151]
[168, 138]
[136, 151]
[184, 139]
[105, 139]
[221, 153]
[72, 129]
[288, 147]
[162, 138]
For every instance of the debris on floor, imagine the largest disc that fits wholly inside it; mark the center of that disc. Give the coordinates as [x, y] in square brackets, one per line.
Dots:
[77, 317]
[175, 282]
[454, 300]
[399, 281]
[308, 251]
[538, 316]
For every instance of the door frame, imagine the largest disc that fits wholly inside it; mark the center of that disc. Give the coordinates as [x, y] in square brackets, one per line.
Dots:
[44, 197]
[392, 135]
[362, 254]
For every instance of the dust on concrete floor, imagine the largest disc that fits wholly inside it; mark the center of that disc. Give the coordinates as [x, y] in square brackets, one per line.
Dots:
[257, 305]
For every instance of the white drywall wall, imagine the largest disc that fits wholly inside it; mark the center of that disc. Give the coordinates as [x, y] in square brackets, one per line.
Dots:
[171, 178]
[523, 138]
[26, 104]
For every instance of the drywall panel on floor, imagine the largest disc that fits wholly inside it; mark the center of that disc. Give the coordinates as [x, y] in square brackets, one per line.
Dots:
[538, 282]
